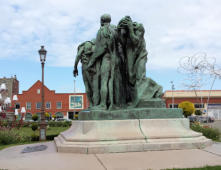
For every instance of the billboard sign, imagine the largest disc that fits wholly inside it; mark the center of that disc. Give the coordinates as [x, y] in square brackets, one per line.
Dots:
[76, 102]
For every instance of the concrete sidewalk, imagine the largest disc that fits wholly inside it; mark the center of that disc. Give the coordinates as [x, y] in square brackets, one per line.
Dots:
[12, 159]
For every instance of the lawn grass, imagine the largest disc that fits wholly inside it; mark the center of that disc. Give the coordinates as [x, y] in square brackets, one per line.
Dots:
[28, 131]
[202, 168]
[50, 130]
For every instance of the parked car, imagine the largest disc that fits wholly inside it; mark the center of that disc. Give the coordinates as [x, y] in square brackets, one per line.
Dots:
[192, 119]
[205, 119]
[212, 119]
[201, 119]
[61, 119]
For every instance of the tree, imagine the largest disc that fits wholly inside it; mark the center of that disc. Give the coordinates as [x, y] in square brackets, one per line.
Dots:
[35, 117]
[34, 126]
[198, 112]
[47, 116]
[199, 70]
[188, 108]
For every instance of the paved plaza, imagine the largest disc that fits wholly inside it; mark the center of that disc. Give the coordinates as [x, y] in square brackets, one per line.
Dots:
[13, 159]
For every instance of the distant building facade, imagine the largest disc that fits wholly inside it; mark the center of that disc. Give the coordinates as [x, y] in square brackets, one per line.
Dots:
[12, 85]
[204, 100]
[68, 105]
[63, 105]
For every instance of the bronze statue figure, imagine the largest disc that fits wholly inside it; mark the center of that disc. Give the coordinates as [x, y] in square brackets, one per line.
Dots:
[114, 66]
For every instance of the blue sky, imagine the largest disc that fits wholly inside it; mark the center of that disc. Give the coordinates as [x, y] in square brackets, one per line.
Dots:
[173, 29]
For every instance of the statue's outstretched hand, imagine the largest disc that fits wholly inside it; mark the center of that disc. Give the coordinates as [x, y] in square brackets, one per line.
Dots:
[75, 72]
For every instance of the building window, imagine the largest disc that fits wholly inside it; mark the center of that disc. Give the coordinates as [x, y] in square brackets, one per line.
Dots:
[58, 105]
[48, 105]
[38, 91]
[173, 105]
[197, 105]
[28, 105]
[28, 116]
[38, 105]
[17, 105]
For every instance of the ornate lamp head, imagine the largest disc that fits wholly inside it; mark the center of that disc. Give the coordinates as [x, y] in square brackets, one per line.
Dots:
[42, 52]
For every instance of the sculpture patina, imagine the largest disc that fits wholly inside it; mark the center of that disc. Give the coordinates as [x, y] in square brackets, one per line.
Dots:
[114, 67]
[126, 112]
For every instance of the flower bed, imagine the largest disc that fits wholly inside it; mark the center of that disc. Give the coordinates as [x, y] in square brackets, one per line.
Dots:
[206, 130]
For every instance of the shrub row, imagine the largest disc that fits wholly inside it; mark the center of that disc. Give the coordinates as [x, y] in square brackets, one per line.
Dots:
[35, 137]
[59, 124]
[27, 124]
[12, 137]
[6, 123]
[207, 131]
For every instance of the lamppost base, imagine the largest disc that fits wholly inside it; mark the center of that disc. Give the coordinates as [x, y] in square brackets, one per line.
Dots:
[42, 131]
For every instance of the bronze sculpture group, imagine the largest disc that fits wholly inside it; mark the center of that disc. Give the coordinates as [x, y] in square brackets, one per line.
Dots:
[114, 66]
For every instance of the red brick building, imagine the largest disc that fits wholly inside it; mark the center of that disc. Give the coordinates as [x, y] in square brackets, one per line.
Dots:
[198, 97]
[63, 105]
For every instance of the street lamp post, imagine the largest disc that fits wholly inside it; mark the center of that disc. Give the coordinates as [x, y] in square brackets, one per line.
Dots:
[42, 135]
[173, 88]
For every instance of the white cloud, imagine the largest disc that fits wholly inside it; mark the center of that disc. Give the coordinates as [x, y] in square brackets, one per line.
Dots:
[173, 28]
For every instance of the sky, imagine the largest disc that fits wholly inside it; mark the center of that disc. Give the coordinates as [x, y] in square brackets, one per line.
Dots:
[173, 30]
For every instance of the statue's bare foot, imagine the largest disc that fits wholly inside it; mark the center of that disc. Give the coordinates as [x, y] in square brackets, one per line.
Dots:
[99, 107]
[113, 107]
[131, 105]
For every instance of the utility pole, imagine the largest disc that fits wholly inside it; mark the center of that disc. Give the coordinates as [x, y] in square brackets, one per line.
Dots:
[173, 88]
[74, 96]
[74, 86]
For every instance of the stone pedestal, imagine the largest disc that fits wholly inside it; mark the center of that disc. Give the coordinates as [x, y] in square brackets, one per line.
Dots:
[106, 136]
[134, 113]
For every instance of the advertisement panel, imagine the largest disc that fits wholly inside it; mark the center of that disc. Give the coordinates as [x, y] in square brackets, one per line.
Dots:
[76, 102]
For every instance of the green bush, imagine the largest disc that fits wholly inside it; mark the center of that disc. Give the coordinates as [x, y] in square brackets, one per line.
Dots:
[5, 123]
[8, 124]
[66, 124]
[188, 108]
[12, 137]
[186, 113]
[51, 137]
[59, 124]
[34, 137]
[35, 117]
[47, 116]
[34, 126]
[198, 112]
[210, 133]
[26, 124]
[51, 123]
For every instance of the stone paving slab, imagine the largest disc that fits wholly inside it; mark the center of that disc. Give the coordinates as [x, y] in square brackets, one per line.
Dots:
[159, 159]
[215, 149]
[49, 159]
[13, 159]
